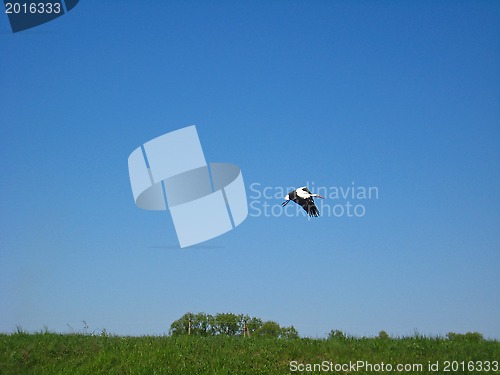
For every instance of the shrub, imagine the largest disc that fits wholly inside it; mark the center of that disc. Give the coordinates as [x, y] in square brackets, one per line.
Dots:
[469, 336]
[336, 334]
[383, 335]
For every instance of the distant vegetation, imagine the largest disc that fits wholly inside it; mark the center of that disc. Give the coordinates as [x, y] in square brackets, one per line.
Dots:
[205, 344]
[229, 324]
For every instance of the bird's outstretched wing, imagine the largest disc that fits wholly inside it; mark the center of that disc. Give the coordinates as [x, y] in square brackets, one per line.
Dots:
[308, 205]
[311, 208]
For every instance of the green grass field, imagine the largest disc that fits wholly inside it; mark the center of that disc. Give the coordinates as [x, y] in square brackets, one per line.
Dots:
[50, 353]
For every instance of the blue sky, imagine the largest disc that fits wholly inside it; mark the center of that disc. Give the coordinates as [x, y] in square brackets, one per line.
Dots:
[403, 97]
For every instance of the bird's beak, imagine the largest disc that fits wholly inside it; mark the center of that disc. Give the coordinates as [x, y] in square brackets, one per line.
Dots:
[319, 196]
[284, 203]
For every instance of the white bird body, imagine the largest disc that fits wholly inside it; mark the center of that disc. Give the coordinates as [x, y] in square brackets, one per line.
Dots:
[303, 197]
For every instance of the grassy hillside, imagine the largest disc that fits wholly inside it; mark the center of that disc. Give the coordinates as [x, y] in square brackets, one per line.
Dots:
[49, 353]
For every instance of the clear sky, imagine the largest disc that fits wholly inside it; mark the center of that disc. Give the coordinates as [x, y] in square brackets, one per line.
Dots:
[400, 96]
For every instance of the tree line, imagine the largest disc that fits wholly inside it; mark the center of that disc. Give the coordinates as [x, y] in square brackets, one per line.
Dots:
[229, 324]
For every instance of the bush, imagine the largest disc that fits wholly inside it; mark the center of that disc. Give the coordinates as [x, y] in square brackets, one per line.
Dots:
[289, 333]
[269, 329]
[336, 334]
[469, 336]
[383, 335]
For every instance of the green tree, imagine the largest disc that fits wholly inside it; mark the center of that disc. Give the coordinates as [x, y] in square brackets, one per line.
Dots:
[383, 335]
[289, 333]
[201, 324]
[180, 326]
[336, 334]
[227, 324]
[269, 329]
[195, 324]
[253, 324]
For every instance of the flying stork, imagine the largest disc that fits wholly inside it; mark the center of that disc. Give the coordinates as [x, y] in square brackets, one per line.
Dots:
[303, 197]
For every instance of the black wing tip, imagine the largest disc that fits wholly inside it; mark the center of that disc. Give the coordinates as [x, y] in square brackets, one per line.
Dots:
[313, 211]
[313, 214]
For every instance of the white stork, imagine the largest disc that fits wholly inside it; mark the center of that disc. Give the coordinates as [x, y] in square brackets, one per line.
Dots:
[304, 197]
